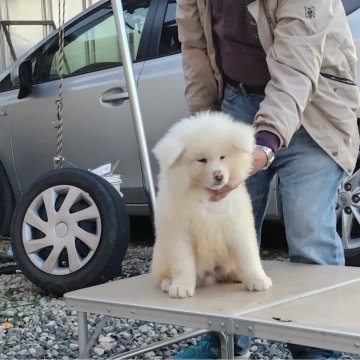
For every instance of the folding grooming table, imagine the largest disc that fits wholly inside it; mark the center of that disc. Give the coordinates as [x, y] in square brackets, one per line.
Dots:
[314, 305]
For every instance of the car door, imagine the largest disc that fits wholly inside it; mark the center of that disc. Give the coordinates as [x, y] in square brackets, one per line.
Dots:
[161, 84]
[97, 119]
[352, 8]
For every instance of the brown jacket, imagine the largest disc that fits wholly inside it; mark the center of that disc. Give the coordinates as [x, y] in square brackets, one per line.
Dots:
[301, 42]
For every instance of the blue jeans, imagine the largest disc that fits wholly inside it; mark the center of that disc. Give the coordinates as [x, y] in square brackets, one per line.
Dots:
[308, 184]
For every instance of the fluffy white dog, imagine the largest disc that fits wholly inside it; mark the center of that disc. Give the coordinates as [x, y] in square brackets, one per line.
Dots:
[200, 241]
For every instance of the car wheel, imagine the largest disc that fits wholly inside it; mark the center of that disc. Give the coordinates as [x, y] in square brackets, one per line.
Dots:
[348, 217]
[7, 202]
[69, 231]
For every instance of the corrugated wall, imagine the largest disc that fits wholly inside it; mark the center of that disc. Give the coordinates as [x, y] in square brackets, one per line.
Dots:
[24, 36]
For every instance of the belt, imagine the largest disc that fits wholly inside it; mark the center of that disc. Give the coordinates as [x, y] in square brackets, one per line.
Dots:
[246, 89]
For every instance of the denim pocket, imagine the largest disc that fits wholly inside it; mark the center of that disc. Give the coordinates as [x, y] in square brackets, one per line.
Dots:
[230, 92]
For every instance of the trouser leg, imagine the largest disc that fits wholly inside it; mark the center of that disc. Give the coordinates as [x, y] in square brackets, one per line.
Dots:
[308, 184]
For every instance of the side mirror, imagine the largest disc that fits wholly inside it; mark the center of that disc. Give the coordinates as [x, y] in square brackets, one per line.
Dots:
[24, 79]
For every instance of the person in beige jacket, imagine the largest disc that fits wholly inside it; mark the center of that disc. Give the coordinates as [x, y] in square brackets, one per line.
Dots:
[288, 68]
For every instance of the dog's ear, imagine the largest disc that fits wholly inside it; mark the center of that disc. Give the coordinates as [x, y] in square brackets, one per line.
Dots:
[243, 137]
[168, 150]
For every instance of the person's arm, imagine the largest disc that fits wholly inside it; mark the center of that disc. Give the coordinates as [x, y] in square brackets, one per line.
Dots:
[260, 158]
[294, 62]
[201, 88]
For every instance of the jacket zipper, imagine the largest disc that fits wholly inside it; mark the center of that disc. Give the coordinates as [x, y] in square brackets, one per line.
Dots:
[338, 79]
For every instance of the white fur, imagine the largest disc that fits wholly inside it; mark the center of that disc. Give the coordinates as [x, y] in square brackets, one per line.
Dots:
[200, 242]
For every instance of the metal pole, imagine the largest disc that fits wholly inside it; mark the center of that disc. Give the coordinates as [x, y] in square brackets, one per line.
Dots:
[83, 335]
[158, 345]
[134, 100]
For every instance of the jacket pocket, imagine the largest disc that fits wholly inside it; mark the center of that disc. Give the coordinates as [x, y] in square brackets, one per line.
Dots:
[230, 92]
[345, 90]
[339, 79]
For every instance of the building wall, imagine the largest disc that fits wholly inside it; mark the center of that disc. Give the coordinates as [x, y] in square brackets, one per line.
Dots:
[24, 37]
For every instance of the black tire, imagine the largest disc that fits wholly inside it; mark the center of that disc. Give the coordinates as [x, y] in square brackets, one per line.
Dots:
[348, 215]
[98, 243]
[7, 203]
[352, 257]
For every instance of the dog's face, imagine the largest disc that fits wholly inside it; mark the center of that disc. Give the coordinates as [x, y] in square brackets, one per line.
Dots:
[211, 166]
[208, 150]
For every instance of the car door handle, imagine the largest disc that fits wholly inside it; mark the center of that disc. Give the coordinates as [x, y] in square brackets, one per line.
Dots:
[112, 97]
[115, 96]
[4, 113]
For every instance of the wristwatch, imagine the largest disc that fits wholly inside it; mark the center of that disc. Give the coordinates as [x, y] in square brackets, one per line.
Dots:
[269, 154]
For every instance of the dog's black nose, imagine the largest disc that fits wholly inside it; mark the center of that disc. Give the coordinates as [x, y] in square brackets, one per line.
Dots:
[218, 175]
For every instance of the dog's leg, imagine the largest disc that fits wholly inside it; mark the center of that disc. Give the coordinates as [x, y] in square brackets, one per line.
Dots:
[249, 264]
[183, 270]
[173, 264]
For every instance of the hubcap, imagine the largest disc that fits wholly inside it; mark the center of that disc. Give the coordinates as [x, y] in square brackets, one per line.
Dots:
[344, 199]
[348, 211]
[61, 229]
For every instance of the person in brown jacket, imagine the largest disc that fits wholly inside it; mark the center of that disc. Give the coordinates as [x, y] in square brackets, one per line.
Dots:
[288, 68]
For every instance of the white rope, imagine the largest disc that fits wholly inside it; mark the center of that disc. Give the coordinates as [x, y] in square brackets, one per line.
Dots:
[59, 159]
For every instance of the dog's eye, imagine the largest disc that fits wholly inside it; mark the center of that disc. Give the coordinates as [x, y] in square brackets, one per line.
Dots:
[222, 157]
[203, 160]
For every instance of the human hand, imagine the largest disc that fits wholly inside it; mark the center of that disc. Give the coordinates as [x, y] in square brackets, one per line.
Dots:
[259, 160]
[221, 193]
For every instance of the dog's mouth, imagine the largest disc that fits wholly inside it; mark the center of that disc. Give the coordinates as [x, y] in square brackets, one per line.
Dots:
[217, 184]
[219, 193]
[216, 187]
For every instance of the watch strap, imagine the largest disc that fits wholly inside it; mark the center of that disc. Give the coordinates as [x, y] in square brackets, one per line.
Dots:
[269, 154]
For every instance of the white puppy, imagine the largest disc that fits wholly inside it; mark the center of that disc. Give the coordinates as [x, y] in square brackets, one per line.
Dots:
[199, 241]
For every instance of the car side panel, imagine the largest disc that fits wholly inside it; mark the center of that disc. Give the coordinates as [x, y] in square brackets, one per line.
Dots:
[6, 155]
[161, 94]
[94, 132]
[354, 22]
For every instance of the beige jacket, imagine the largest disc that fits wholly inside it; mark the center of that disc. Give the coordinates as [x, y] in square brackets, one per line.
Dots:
[301, 39]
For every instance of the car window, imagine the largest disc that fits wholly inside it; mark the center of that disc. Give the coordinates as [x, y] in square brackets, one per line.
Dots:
[169, 41]
[93, 46]
[351, 5]
[6, 84]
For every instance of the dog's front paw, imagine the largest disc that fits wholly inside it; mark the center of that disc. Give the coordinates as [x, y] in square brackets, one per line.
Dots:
[258, 283]
[181, 291]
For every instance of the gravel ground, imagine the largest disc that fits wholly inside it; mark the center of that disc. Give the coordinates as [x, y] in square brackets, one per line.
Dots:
[44, 329]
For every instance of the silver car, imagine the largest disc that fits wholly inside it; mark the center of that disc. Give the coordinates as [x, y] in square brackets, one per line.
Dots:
[69, 228]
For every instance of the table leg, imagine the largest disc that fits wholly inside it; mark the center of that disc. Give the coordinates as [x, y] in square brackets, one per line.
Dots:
[83, 335]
